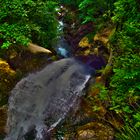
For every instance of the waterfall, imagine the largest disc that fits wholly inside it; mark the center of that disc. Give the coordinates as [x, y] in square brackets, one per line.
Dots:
[43, 99]
[63, 49]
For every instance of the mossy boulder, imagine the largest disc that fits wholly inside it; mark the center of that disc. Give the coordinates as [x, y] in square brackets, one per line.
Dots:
[92, 131]
[95, 131]
[7, 81]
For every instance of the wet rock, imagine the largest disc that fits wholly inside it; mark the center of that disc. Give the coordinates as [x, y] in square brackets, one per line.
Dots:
[74, 38]
[3, 118]
[20, 59]
[86, 134]
[93, 61]
[27, 62]
[95, 131]
[92, 131]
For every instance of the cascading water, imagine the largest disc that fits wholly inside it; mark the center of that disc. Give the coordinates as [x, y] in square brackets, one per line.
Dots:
[63, 49]
[42, 100]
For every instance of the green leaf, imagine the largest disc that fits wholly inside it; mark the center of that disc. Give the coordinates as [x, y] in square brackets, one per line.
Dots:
[5, 45]
[137, 116]
[127, 109]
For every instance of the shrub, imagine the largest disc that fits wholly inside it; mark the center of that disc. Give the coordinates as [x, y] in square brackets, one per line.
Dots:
[27, 20]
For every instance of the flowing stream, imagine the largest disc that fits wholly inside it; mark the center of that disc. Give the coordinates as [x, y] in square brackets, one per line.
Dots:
[42, 100]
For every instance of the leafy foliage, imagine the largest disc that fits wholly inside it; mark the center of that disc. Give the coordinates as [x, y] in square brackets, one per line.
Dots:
[71, 3]
[128, 132]
[91, 10]
[125, 84]
[23, 21]
[35, 20]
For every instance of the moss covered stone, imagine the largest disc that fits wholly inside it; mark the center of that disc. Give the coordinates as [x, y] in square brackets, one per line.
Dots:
[7, 81]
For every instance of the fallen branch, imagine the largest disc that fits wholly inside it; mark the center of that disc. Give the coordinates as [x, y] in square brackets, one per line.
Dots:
[33, 48]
